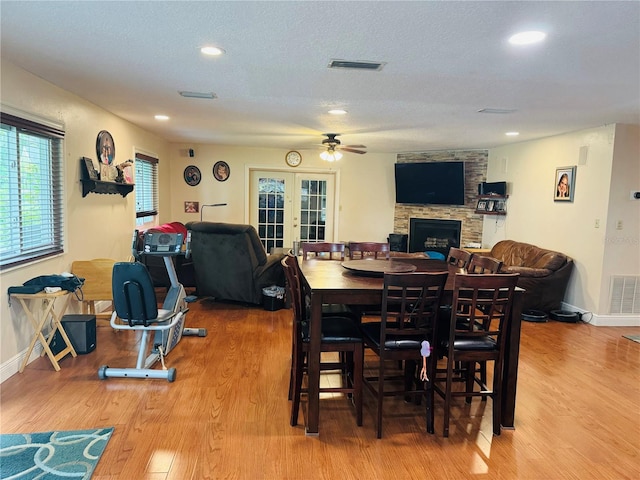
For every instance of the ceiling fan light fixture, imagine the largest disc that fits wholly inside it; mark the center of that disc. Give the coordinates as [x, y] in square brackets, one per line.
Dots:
[330, 155]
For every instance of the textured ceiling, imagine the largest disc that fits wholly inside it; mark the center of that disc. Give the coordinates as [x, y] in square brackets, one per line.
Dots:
[444, 62]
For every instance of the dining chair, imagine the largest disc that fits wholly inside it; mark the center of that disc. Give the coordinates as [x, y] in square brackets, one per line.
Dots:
[339, 334]
[458, 257]
[410, 304]
[361, 250]
[480, 313]
[483, 264]
[332, 249]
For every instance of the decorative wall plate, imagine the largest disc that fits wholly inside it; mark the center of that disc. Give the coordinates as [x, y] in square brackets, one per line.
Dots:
[221, 171]
[192, 175]
[105, 148]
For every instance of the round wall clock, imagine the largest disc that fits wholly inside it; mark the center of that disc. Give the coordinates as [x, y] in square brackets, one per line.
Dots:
[105, 148]
[293, 158]
[192, 175]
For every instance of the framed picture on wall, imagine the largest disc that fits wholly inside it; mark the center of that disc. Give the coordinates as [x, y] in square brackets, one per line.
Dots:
[565, 183]
[482, 205]
[191, 207]
[221, 171]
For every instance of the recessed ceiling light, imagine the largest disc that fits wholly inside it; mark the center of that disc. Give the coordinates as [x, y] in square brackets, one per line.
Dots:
[213, 51]
[512, 134]
[337, 111]
[161, 117]
[527, 38]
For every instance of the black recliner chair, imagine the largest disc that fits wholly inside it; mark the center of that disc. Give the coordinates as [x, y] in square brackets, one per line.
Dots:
[231, 263]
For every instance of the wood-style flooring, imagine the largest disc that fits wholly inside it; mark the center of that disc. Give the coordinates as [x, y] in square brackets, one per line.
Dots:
[227, 415]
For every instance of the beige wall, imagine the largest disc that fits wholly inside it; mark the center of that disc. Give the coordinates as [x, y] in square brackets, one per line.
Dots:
[96, 225]
[366, 192]
[534, 217]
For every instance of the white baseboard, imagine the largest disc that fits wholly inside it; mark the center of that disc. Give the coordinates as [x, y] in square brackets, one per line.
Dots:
[604, 320]
[12, 366]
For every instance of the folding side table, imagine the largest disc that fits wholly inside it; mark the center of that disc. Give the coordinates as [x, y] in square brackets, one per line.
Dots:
[43, 305]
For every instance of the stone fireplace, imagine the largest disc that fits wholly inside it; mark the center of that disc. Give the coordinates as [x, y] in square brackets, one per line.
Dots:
[434, 235]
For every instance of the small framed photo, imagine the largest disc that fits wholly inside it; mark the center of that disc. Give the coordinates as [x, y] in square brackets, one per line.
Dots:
[482, 205]
[565, 183]
[491, 206]
[191, 207]
[501, 206]
[90, 168]
[221, 171]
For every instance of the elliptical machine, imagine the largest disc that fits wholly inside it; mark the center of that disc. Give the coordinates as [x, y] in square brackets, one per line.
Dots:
[168, 325]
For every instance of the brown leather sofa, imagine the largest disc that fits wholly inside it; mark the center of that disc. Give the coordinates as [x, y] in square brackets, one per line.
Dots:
[231, 263]
[544, 274]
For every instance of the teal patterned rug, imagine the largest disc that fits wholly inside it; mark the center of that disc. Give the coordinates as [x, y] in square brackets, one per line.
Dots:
[52, 455]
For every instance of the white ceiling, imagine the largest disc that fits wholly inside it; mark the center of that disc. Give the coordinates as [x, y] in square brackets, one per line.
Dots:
[445, 61]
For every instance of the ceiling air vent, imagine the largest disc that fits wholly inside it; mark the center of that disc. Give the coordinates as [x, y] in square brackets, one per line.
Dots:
[356, 65]
[497, 110]
[205, 95]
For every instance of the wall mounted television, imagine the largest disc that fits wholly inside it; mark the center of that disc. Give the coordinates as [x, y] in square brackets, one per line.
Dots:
[430, 183]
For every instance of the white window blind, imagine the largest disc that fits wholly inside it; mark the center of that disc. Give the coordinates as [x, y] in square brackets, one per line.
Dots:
[30, 191]
[146, 188]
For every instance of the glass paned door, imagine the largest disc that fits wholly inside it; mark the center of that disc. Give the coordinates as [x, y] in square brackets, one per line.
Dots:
[287, 207]
[271, 211]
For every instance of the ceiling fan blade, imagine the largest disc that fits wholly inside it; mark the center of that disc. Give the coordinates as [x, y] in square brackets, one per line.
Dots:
[356, 146]
[352, 150]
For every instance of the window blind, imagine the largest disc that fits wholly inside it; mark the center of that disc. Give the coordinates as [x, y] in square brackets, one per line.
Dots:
[146, 188]
[31, 191]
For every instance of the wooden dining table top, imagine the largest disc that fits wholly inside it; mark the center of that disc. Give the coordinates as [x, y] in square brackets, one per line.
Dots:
[333, 275]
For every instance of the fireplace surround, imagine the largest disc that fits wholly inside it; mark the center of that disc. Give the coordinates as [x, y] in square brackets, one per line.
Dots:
[434, 235]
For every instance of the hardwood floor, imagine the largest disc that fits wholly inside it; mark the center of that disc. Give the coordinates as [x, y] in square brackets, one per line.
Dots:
[227, 416]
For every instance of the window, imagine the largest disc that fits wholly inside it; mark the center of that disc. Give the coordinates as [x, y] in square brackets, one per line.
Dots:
[146, 189]
[31, 190]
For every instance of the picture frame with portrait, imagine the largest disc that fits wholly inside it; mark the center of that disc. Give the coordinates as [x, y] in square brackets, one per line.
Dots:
[564, 185]
[221, 171]
[482, 205]
[191, 207]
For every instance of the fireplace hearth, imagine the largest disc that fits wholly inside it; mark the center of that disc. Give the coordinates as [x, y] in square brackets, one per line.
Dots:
[433, 235]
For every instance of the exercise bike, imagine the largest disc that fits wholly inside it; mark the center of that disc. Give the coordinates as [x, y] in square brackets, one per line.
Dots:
[135, 306]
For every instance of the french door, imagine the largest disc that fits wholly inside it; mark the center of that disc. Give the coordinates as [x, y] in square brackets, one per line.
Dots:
[287, 207]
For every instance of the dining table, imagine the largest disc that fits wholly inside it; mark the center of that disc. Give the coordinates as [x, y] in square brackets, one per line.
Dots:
[333, 281]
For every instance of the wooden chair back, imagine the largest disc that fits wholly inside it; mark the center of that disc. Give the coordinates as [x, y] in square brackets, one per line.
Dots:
[458, 257]
[484, 264]
[97, 274]
[476, 334]
[368, 249]
[335, 251]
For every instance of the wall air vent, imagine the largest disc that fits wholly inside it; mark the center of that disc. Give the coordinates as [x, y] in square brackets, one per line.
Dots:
[356, 65]
[624, 295]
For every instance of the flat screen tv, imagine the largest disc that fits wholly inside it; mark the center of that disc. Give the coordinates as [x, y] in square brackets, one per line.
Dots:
[430, 183]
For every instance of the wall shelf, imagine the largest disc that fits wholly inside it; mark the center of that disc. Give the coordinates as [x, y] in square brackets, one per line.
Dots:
[91, 183]
[97, 186]
[492, 205]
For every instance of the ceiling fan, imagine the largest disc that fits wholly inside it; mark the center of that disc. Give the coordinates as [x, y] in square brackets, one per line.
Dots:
[333, 145]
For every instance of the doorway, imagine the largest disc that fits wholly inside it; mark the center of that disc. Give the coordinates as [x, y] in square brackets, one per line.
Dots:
[289, 206]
